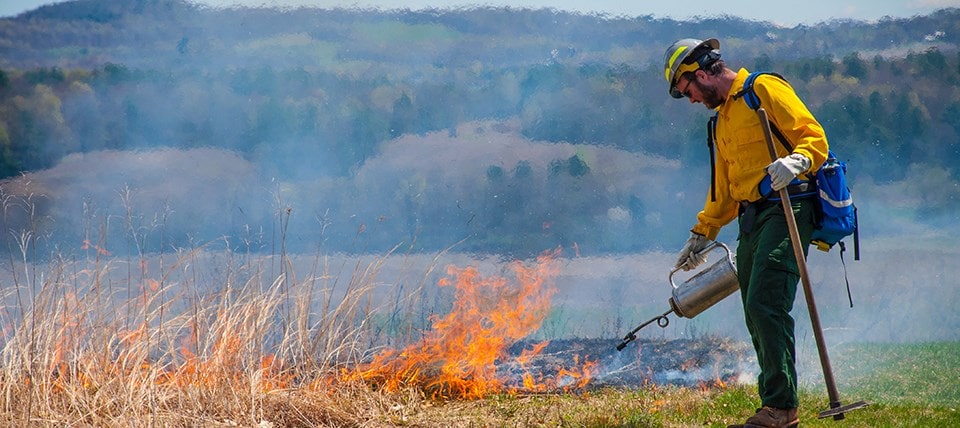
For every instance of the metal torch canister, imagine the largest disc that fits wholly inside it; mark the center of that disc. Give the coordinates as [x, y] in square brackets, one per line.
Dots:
[696, 294]
[707, 287]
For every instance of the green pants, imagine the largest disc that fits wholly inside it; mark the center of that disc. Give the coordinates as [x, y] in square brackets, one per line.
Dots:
[768, 275]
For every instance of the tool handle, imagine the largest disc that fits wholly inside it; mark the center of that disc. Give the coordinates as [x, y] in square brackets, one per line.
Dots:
[832, 392]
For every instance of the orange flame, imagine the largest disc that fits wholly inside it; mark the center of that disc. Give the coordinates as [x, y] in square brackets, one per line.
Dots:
[457, 358]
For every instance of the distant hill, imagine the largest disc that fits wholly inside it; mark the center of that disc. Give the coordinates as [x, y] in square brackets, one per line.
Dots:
[522, 128]
[171, 33]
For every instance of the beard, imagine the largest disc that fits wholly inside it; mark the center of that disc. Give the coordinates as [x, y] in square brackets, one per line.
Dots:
[711, 97]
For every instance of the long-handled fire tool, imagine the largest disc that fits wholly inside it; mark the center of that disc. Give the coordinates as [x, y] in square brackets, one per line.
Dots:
[836, 409]
[697, 293]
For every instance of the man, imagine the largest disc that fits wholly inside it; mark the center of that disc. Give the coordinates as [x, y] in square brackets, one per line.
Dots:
[742, 182]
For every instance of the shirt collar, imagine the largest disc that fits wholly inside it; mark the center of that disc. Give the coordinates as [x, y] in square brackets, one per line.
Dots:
[735, 87]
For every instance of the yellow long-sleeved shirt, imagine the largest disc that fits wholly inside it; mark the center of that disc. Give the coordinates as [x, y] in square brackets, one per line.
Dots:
[741, 148]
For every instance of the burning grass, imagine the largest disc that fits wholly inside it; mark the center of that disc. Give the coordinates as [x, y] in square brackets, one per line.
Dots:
[94, 342]
[458, 357]
[217, 338]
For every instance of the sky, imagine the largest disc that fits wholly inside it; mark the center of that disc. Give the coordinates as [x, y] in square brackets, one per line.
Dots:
[787, 13]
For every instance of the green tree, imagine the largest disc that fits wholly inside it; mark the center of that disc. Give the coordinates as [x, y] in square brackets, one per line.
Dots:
[816, 66]
[556, 167]
[951, 116]
[403, 116]
[523, 170]
[82, 115]
[9, 164]
[183, 45]
[910, 119]
[45, 76]
[493, 198]
[930, 63]
[116, 73]
[39, 135]
[763, 63]
[878, 109]
[854, 66]
[369, 128]
[576, 166]
[495, 174]
[878, 62]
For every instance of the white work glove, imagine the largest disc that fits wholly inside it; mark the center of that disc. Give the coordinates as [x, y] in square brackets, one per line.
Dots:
[782, 171]
[690, 256]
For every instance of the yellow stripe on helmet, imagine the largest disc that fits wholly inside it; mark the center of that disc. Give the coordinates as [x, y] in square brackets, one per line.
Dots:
[673, 58]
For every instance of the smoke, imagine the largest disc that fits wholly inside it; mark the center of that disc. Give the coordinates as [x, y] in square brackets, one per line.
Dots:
[482, 186]
[186, 196]
[439, 188]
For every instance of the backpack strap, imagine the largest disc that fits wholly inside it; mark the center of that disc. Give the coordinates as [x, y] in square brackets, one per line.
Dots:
[843, 248]
[749, 96]
[856, 235]
[747, 92]
[711, 139]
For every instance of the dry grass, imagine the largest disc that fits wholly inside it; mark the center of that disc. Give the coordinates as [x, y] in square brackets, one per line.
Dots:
[80, 351]
[202, 338]
[88, 343]
[193, 338]
[199, 338]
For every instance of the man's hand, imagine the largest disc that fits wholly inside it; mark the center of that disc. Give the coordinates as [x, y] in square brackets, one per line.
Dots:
[782, 171]
[689, 255]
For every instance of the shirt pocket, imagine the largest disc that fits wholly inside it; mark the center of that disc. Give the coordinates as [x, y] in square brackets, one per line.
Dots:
[751, 148]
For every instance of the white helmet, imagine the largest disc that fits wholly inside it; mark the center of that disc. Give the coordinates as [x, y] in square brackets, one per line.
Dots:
[680, 59]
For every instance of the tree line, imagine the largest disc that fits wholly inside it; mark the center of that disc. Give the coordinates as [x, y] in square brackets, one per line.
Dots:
[321, 103]
[899, 109]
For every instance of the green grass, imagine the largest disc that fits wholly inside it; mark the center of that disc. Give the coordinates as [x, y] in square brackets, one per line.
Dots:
[908, 374]
[663, 407]
[906, 385]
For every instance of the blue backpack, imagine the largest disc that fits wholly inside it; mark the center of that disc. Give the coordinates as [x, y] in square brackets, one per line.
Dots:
[838, 213]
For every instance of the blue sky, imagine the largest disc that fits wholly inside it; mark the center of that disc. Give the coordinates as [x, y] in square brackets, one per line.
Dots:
[787, 13]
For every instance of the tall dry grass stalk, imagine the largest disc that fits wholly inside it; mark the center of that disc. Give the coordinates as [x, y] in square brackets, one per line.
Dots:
[211, 338]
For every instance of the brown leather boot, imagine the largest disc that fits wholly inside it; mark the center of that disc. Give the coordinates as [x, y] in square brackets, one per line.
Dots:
[771, 417]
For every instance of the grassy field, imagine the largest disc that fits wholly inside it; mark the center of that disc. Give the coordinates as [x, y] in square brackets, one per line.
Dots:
[907, 386]
[202, 339]
[913, 385]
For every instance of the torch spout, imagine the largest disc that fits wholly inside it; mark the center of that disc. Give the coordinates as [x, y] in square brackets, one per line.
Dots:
[661, 320]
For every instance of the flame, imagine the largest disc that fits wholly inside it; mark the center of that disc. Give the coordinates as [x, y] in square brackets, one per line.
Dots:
[712, 384]
[458, 357]
[719, 383]
[465, 355]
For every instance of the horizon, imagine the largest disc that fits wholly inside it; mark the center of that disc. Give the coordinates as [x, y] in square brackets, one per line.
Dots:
[812, 12]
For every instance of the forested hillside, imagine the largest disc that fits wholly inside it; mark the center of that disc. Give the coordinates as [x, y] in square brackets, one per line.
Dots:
[312, 98]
